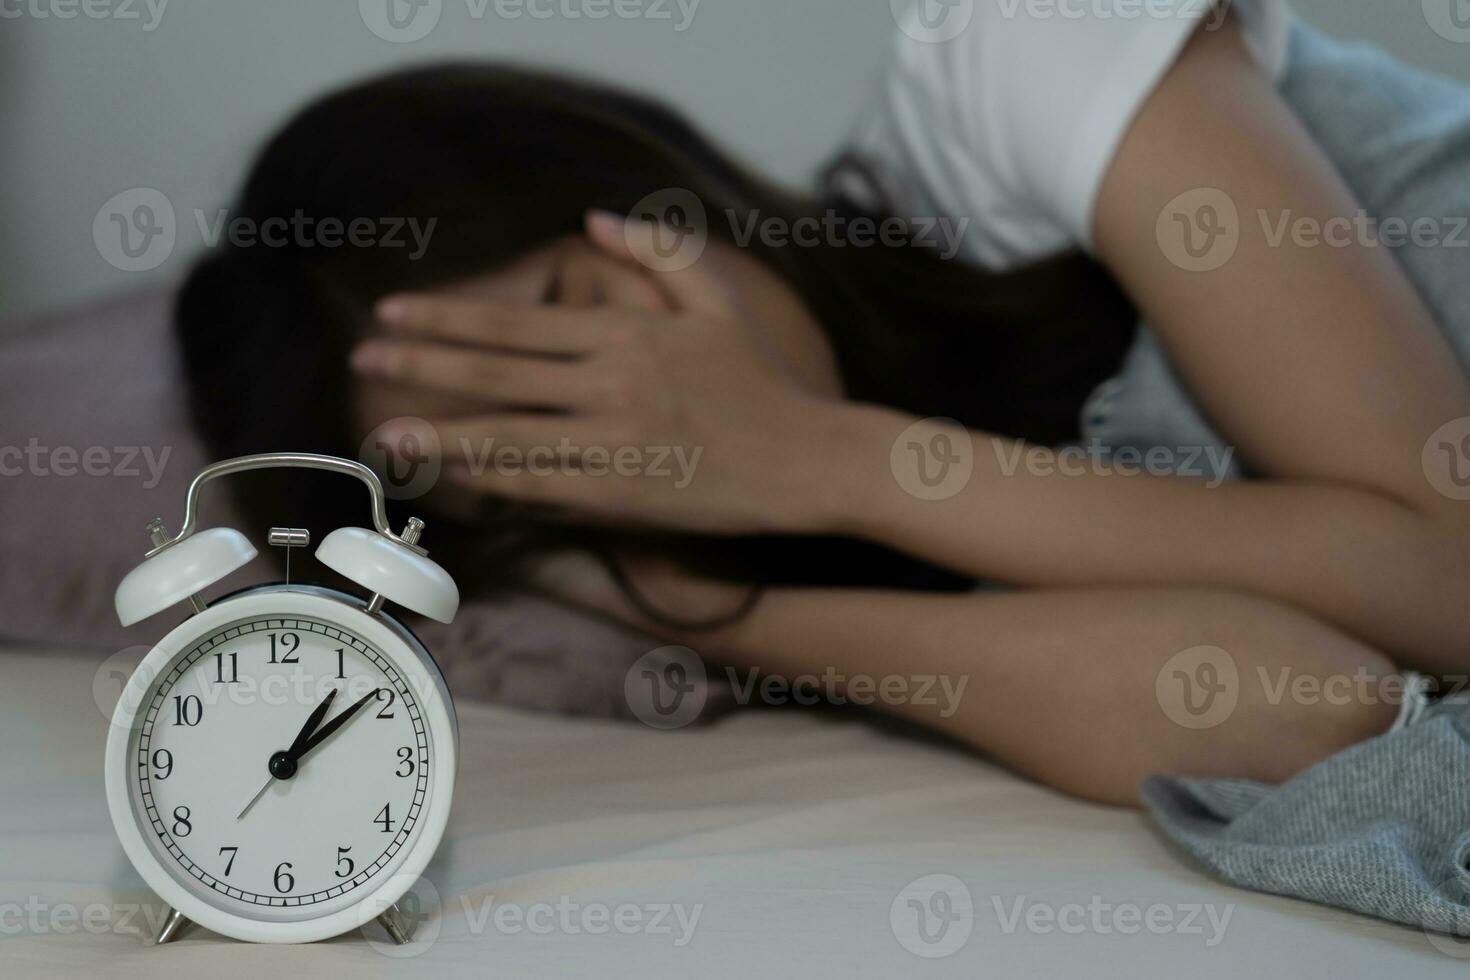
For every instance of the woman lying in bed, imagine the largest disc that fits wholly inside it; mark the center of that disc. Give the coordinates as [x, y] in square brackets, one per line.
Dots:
[809, 517]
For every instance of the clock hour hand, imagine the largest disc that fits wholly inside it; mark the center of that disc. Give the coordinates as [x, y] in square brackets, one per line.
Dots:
[323, 733]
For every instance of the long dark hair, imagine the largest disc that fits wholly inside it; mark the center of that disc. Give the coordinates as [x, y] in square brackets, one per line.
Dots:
[507, 159]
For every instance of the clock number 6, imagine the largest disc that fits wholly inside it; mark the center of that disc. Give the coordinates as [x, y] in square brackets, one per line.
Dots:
[283, 871]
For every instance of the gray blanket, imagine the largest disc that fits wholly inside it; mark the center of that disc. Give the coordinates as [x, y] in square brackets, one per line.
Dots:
[1383, 828]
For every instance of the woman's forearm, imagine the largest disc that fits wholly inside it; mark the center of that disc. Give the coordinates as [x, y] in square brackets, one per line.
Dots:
[1375, 567]
[1064, 685]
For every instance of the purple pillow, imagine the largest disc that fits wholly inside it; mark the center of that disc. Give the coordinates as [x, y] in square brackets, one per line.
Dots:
[96, 441]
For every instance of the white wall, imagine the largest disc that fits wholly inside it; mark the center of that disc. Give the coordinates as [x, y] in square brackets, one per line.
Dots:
[95, 106]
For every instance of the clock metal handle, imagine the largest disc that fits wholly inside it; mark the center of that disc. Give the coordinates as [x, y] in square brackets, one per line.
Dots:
[270, 461]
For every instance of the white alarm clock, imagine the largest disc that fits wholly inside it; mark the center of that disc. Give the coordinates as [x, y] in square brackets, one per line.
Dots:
[281, 765]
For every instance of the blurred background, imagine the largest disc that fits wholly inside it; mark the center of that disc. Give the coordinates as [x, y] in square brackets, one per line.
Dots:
[108, 96]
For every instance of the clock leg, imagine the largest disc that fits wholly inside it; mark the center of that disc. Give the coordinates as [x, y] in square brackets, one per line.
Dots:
[171, 927]
[393, 925]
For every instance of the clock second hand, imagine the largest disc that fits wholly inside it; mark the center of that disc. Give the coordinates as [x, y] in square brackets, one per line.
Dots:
[258, 795]
[307, 739]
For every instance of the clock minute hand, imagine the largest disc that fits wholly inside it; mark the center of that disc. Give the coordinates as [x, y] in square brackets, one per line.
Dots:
[323, 733]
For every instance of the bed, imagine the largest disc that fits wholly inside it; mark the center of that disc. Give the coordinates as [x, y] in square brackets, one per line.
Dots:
[776, 843]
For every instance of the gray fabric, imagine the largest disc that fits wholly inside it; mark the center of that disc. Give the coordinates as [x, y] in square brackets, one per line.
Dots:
[1401, 140]
[1383, 828]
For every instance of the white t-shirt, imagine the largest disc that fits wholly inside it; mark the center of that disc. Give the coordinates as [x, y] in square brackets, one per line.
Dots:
[1009, 112]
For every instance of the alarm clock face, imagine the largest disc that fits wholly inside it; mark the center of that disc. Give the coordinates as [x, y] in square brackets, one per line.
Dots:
[281, 765]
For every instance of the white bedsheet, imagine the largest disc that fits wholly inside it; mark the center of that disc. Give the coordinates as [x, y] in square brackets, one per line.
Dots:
[789, 835]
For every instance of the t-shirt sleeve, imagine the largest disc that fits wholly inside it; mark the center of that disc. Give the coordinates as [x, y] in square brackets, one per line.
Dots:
[1037, 95]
